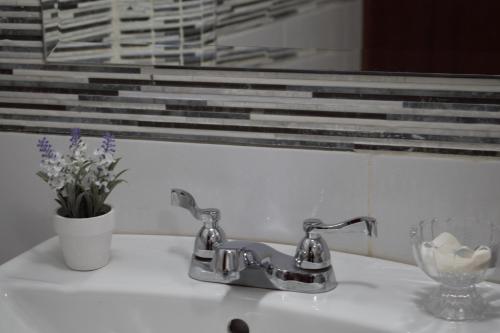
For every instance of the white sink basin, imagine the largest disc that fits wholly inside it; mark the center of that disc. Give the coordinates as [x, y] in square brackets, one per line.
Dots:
[145, 289]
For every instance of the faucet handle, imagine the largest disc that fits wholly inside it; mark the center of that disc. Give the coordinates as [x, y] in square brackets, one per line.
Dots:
[312, 251]
[185, 200]
[211, 235]
[312, 226]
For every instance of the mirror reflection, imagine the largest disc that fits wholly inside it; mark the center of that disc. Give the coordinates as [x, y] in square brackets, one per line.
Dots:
[429, 36]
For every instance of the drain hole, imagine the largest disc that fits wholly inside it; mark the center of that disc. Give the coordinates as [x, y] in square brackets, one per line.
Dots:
[238, 326]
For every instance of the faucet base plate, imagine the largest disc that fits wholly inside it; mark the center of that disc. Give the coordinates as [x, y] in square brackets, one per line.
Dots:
[297, 281]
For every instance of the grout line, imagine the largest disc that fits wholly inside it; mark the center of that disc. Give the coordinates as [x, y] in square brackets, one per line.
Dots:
[369, 200]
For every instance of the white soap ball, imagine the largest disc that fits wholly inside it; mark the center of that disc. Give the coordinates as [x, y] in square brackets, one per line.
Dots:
[462, 260]
[446, 242]
[445, 254]
[445, 261]
[481, 258]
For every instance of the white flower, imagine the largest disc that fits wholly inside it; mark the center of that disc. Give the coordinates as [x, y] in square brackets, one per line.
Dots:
[54, 169]
[79, 152]
[102, 185]
[105, 159]
[87, 181]
[57, 182]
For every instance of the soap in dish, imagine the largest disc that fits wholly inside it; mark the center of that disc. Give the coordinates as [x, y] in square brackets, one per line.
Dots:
[445, 254]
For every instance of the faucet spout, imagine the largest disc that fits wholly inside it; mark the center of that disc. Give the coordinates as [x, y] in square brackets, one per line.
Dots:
[228, 263]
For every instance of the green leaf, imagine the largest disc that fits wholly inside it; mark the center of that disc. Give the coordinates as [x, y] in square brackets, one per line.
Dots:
[90, 206]
[62, 198]
[71, 200]
[43, 175]
[113, 165]
[119, 174]
[95, 199]
[111, 186]
[78, 204]
[82, 170]
[113, 183]
[63, 211]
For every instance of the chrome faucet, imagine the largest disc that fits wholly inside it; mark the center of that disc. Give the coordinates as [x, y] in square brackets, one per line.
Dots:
[258, 265]
[210, 235]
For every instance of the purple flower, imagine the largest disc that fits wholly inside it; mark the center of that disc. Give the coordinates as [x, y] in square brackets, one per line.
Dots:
[46, 148]
[108, 143]
[75, 138]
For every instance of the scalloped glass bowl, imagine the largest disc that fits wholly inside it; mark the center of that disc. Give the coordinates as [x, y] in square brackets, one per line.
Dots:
[458, 254]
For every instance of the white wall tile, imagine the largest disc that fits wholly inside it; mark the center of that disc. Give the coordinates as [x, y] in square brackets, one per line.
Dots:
[407, 189]
[264, 193]
[24, 204]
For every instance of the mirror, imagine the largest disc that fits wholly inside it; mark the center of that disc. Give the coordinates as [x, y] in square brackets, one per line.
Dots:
[425, 36]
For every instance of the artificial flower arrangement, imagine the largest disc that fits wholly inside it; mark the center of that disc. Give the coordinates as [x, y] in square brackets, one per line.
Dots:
[82, 183]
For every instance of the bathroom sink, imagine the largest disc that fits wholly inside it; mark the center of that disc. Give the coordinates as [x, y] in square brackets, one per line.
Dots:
[145, 288]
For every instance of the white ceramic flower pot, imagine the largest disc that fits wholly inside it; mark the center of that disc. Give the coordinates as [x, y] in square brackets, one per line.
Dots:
[85, 242]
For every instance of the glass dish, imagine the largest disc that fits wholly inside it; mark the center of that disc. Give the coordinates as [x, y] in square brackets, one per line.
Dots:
[458, 254]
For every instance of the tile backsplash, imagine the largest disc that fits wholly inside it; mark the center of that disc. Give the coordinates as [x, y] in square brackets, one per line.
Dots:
[361, 113]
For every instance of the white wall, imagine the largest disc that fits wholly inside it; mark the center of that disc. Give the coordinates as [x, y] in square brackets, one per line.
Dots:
[264, 193]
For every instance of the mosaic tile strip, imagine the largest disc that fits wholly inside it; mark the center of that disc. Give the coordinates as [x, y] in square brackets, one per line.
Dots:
[437, 115]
